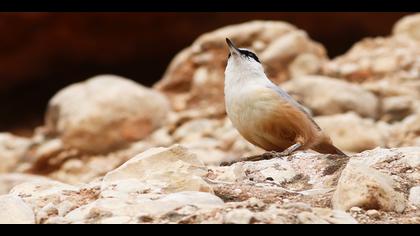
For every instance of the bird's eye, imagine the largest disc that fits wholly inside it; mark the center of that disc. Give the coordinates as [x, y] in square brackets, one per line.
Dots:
[229, 55]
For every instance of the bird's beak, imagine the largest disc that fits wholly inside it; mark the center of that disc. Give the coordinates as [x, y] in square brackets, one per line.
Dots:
[232, 48]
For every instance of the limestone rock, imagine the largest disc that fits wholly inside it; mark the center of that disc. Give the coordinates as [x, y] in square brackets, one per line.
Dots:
[8, 181]
[173, 169]
[414, 196]
[405, 133]
[195, 77]
[352, 133]
[12, 151]
[365, 187]
[108, 210]
[408, 26]
[238, 216]
[325, 216]
[14, 211]
[396, 108]
[372, 59]
[328, 96]
[105, 112]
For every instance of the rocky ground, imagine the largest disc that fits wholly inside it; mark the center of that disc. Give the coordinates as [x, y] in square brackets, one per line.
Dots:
[113, 151]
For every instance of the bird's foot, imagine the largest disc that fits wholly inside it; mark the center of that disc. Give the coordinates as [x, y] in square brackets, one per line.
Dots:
[265, 156]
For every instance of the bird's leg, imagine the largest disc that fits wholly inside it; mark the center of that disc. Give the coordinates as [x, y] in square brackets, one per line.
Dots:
[269, 155]
[290, 150]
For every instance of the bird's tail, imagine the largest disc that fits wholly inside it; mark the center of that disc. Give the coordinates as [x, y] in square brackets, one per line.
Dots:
[328, 148]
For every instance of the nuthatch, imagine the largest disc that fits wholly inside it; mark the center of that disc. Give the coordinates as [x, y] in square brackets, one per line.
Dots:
[266, 115]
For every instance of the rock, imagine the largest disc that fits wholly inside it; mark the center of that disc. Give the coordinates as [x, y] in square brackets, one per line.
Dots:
[289, 47]
[104, 113]
[373, 213]
[238, 216]
[305, 64]
[337, 96]
[276, 170]
[343, 129]
[325, 216]
[194, 78]
[12, 151]
[374, 59]
[167, 208]
[173, 169]
[8, 181]
[41, 193]
[405, 133]
[365, 187]
[52, 200]
[213, 140]
[14, 211]
[414, 196]
[397, 108]
[408, 26]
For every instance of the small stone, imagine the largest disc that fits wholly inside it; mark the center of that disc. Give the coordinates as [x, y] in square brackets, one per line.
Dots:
[356, 209]
[373, 214]
[238, 216]
[414, 196]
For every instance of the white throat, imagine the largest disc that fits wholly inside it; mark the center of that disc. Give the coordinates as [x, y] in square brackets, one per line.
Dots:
[241, 73]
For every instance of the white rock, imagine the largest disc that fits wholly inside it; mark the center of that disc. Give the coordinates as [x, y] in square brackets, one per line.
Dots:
[373, 213]
[238, 216]
[310, 218]
[338, 96]
[173, 169]
[325, 216]
[13, 210]
[278, 176]
[195, 198]
[12, 150]
[414, 196]
[305, 64]
[334, 216]
[118, 210]
[343, 128]
[408, 26]
[367, 188]
[8, 181]
[45, 195]
[105, 112]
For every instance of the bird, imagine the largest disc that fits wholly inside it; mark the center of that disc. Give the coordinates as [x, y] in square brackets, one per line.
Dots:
[265, 114]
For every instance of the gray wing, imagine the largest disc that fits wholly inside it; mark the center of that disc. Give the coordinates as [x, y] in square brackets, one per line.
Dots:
[283, 94]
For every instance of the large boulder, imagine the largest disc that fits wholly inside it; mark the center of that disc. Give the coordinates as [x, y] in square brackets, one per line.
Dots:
[378, 179]
[195, 77]
[104, 113]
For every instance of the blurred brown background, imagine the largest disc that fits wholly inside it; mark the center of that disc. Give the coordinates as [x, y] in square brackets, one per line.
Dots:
[41, 53]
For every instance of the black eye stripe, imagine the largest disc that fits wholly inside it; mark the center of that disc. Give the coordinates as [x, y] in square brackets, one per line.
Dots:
[249, 54]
